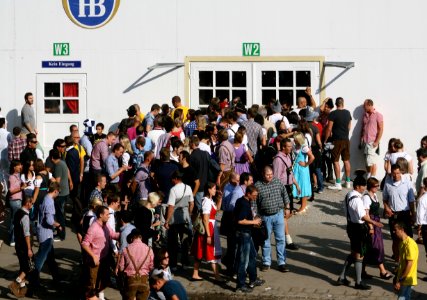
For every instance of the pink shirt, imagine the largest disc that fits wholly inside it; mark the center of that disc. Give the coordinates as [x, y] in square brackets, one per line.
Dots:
[370, 126]
[98, 238]
[226, 155]
[138, 250]
[15, 183]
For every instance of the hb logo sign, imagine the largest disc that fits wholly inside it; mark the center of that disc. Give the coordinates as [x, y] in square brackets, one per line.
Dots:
[90, 14]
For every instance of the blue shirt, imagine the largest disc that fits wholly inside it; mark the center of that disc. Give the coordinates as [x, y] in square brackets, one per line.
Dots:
[46, 219]
[230, 196]
[112, 166]
[173, 287]
[124, 232]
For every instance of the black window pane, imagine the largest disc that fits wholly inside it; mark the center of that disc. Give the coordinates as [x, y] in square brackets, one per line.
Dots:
[239, 79]
[205, 96]
[286, 78]
[222, 94]
[222, 78]
[52, 89]
[286, 96]
[269, 78]
[303, 78]
[51, 107]
[205, 78]
[241, 94]
[267, 95]
[70, 106]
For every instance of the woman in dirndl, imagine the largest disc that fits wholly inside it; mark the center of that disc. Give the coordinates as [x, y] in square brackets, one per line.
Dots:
[375, 251]
[208, 245]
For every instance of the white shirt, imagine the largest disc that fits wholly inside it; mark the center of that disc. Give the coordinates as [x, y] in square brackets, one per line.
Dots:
[394, 156]
[205, 147]
[356, 208]
[422, 210]
[278, 117]
[154, 136]
[232, 131]
[367, 200]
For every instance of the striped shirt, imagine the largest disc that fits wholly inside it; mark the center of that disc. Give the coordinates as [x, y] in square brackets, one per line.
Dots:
[46, 219]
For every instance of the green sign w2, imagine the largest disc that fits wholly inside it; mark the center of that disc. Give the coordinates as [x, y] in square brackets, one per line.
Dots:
[61, 49]
[251, 49]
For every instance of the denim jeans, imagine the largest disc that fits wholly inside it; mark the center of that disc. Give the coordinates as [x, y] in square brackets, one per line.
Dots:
[45, 254]
[404, 292]
[198, 201]
[319, 175]
[60, 214]
[246, 255]
[15, 205]
[274, 223]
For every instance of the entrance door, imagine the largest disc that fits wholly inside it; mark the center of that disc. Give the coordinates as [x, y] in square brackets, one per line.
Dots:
[61, 102]
[285, 81]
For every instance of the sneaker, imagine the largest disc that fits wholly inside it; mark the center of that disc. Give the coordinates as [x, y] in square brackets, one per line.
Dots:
[257, 282]
[362, 286]
[347, 185]
[14, 288]
[57, 239]
[337, 186]
[320, 191]
[264, 268]
[292, 246]
[284, 268]
[12, 244]
[344, 281]
[244, 289]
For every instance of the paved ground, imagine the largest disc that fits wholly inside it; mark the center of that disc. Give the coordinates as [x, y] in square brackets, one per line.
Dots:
[314, 268]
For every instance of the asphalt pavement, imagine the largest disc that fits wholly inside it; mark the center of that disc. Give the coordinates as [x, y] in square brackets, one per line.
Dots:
[314, 268]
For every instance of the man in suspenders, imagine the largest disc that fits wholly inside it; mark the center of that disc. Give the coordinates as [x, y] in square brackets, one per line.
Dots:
[356, 217]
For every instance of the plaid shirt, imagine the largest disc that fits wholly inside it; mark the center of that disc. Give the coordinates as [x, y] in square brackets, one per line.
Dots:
[272, 196]
[16, 147]
[190, 128]
[254, 134]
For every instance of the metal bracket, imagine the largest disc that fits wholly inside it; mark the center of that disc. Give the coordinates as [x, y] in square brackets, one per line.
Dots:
[346, 65]
[140, 81]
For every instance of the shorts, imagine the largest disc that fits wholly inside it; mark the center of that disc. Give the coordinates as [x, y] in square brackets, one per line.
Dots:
[341, 147]
[358, 239]
[98, 277]
[371, 155]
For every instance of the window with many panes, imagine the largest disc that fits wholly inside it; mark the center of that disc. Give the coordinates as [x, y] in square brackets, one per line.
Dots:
[286, 86]
[61, 97]
[223, 85]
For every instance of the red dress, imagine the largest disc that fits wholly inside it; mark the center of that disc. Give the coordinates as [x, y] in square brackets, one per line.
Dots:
[201, 249]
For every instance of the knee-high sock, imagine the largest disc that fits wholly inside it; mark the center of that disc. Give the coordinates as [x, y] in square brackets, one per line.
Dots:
[348, 262]
[358, 264]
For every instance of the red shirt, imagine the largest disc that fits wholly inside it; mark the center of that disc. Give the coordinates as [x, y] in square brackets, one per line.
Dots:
[370, 126]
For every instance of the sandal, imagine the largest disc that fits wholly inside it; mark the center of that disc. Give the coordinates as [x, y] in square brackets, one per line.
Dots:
[386, 276]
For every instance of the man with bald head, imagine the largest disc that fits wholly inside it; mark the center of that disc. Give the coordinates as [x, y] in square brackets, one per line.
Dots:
[273, 204]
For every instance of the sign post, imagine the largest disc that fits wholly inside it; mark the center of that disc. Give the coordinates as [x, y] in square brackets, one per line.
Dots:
[251, 49]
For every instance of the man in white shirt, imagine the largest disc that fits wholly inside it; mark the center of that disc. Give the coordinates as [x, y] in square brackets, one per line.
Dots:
[422, 172]
[422, 218]
[113, 203]
[180, 208]
[356, 217]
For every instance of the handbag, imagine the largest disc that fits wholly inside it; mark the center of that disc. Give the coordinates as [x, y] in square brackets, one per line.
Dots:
[259, 233]
[198, 225]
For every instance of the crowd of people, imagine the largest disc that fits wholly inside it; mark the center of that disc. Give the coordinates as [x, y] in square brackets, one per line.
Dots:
[145, 197]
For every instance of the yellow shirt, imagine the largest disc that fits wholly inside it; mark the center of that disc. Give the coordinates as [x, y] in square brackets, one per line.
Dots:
[408, 250]
[184, 112]
[81, 150]
[141, 117]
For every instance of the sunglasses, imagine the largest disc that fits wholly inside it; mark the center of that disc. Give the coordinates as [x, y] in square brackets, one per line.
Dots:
[34, 142]
[165, 257]
[61, 146]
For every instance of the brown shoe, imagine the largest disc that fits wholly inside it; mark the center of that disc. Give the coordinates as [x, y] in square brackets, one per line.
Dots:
[22, 292]
[14, 288]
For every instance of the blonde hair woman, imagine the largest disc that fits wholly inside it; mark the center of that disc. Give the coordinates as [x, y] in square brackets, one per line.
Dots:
[124, 140]
[146, 221]
[303, 158]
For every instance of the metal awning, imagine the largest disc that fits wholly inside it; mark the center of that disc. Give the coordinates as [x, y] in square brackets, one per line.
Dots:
[140, 81]
[346, 65]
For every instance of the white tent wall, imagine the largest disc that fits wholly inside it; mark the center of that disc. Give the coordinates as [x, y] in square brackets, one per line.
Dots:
[385, 39]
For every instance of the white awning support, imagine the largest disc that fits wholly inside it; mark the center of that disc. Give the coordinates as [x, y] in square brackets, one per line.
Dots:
[346, 65]
[140, 81]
